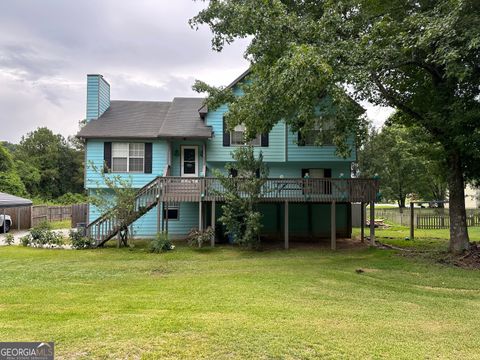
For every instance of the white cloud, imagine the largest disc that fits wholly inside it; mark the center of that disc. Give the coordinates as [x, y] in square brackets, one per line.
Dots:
[145, 49]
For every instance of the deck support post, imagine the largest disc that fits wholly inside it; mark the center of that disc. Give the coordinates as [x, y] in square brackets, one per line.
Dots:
[159, 214]
[162, 218]
[286, 225]
[412, 221]
[166, 218]
[200, 217]
[333, 226]
[372, 223]
[362, 221]
[213, 223]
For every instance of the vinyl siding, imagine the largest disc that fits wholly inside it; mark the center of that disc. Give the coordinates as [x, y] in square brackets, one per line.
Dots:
[98, 96]
[94, 154]
[294, 169]
[217, 152]
[314, 153]
[275, 152]
[176, 156]
[146, 226]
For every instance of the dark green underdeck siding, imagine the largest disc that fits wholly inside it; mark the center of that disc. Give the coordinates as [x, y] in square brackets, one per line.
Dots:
[299, 214]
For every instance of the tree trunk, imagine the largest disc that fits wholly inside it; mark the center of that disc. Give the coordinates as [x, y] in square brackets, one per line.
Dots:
[401, 203]
[459, 240]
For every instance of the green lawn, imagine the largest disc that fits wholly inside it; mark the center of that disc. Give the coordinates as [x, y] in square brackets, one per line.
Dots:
[61, 224]
[228, 303]
[423, 239]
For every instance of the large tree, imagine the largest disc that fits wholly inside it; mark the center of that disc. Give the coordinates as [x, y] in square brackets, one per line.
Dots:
[407, 163]
[58, 164]
[10, 182]
[420, 56]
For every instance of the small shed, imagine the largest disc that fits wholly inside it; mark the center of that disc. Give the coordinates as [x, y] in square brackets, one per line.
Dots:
[12, 201]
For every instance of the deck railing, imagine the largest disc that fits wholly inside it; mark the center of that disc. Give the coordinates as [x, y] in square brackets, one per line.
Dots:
[273, 190]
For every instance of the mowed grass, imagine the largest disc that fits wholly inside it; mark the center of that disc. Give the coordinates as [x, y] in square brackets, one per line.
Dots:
[227, 304]
[431, 239]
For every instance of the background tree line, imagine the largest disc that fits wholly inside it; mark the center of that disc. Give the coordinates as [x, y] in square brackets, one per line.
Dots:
[44, 166]
[408, 161]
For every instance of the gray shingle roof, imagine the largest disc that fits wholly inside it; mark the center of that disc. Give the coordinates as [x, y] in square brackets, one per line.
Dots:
[7, 201]
[149, 119]
[183, 120]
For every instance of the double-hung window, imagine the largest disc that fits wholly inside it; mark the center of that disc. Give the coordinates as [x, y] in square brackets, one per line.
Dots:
[128, 157]
[237, 137]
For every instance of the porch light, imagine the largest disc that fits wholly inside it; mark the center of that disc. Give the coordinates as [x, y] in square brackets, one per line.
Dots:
[341, 175]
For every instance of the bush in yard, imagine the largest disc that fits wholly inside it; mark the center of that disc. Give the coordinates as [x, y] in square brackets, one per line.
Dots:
[71, 198]
[199, 238]
[41, 235]
[78, 241]
[9, 239]
[161, 243]
[26, 240]
[242, 193]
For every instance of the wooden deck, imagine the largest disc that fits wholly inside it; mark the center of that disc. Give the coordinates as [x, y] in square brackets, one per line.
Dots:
[179, 189]
[165, 190]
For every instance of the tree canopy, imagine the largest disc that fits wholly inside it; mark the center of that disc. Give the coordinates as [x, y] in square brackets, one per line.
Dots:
[43, 165]
[420, 57]
[408, 164]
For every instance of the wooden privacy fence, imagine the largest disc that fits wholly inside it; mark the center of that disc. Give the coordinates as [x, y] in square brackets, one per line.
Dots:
[21, 217]
[79, 214]
[50, 213]
[443, 221]
[29, 216]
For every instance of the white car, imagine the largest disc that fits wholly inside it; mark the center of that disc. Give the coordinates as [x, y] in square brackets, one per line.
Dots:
[7, 221]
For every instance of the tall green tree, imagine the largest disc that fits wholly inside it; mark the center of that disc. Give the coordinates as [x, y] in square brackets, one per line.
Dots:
[10, 182]
[405, 162]
[59, 165]
[242, 189]
[420, 57]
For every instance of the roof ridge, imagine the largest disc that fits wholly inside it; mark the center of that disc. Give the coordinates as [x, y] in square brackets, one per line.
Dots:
[144, 101]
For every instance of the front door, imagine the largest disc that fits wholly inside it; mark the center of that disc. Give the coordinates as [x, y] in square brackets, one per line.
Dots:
[189, 161]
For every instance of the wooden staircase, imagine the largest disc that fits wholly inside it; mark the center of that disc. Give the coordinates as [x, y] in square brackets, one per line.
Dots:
[107, 226]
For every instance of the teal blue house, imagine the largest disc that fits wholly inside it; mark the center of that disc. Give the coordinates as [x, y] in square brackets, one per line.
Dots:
[169, 149]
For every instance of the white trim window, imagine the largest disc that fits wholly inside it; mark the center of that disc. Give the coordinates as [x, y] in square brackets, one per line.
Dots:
[237, 137]
[128, 157]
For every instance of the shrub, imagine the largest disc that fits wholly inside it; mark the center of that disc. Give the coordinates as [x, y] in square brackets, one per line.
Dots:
[26, 240]
[79, 241]
[199, 238]
[161, 243]
[71, 198]
[41, 235]
[9, 239]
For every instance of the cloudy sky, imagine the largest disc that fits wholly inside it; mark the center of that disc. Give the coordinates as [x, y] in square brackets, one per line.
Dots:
[144, 48]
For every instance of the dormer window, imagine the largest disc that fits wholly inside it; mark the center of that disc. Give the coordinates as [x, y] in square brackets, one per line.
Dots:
[237, 137]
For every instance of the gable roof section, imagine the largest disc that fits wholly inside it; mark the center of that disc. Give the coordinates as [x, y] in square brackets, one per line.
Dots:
[149, 120]
[203, 110]
[183, 120]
